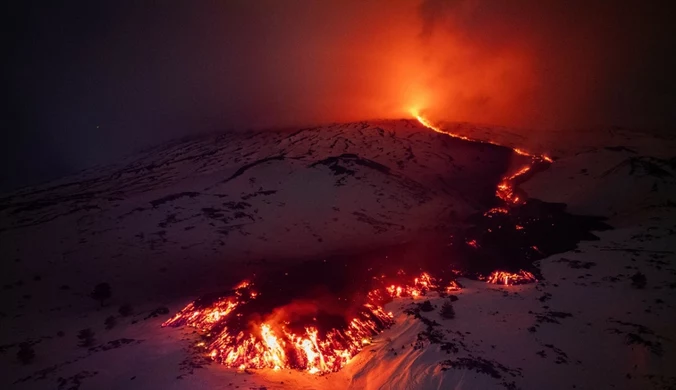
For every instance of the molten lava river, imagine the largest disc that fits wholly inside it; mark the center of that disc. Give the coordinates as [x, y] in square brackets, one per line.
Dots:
[317, 315]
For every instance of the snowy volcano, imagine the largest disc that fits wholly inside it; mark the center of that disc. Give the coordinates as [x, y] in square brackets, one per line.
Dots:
[197, 216]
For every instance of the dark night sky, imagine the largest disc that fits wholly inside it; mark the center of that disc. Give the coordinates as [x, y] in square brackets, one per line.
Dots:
[91, 81]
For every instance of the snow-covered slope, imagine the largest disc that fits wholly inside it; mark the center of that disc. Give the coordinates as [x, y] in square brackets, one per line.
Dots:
[190, 207]
[193, 216]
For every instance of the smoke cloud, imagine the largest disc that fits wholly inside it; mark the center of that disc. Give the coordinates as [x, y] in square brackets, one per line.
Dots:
[90, 82]
[551, 64]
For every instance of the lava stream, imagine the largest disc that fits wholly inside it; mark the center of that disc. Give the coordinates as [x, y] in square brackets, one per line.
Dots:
[506, 187]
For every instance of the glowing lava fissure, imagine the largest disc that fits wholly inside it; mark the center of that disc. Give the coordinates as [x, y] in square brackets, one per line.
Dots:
[317, 315]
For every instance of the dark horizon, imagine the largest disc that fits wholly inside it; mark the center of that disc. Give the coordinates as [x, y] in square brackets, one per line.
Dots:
[92, 82]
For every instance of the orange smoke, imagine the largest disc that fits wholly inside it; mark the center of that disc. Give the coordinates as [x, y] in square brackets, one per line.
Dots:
[347, 61]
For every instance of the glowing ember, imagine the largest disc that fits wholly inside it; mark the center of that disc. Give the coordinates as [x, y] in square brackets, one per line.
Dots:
[496, 210]
[420, 286]
[508, 279]
[274, 344]
[430, 126]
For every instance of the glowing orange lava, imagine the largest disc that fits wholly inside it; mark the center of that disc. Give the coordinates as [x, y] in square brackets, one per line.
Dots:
[507, 279]
[505, 190]
[271, 344]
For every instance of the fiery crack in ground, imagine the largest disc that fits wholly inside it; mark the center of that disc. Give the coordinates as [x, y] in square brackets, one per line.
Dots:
[318, 315]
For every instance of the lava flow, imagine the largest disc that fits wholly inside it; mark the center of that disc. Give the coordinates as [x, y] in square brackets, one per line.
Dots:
[317, 315]
[506, 190]
[278, 343]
